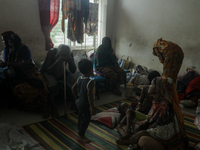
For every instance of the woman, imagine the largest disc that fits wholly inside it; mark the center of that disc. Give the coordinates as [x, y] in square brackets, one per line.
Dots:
[28, 85]
[106, 65]
[53, 71]
[161, 130]
[171, 56]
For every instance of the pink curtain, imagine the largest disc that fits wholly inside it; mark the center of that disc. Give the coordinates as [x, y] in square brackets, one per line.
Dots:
[49, 13]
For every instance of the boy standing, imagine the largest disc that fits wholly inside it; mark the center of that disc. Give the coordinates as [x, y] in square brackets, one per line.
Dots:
[83, 91]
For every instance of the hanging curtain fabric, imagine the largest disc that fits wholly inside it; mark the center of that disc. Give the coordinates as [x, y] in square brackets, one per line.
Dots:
[92, 23]
[49, 13]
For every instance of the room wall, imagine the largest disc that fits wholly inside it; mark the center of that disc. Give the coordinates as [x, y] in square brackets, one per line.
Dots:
[22, 17]
[136, 25]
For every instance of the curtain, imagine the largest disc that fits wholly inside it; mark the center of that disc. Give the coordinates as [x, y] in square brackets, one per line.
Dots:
[49, 13]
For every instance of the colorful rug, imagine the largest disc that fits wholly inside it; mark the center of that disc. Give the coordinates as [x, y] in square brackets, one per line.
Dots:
[61, 133]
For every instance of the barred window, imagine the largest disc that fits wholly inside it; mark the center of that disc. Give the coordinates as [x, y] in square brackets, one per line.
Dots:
[58, 37]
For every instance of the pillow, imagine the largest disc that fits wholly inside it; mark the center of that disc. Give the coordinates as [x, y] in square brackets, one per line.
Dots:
[110, 117]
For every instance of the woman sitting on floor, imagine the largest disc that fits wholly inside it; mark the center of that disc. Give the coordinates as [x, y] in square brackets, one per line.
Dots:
[26, 83]
[161, 130]
[106, 65]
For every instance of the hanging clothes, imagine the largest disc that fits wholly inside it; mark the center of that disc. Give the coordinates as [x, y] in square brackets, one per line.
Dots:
[92, 23]
[68, 6]
[78, 30]
[85, 11]
[70, 28]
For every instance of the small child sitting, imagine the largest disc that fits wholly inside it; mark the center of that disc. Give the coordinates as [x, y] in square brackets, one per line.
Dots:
[83, 91]
[127, 116]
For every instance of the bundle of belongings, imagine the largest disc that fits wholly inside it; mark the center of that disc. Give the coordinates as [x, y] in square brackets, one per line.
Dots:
[188, 88]
[139, 76]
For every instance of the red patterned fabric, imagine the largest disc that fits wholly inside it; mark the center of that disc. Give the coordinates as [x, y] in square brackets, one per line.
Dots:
[110, 117]
[49, 13]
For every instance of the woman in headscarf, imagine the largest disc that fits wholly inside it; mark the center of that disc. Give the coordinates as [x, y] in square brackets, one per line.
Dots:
[162, 129]
[171, 56]
[28, 85]
[106, 65]
[53, 71]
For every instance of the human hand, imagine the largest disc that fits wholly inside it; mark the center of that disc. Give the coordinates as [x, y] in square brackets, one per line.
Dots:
[3, 64]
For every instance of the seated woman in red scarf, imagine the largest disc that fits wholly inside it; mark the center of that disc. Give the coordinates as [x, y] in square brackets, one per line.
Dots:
[106, 65]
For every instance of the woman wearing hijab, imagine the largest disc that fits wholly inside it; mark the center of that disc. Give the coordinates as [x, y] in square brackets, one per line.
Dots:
[161, 130]
[106, 65]
[171, 56]
[28, 85]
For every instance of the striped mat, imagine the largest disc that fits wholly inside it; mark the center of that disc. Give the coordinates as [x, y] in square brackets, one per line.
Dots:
[61, 133]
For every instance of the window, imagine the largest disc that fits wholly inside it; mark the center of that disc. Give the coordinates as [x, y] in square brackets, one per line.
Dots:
[58, 37]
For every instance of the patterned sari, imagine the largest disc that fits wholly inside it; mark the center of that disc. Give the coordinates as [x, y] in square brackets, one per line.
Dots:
[173, 57]
[164, 122]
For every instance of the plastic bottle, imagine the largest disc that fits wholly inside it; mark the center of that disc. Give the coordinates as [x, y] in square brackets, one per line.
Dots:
[129, 89]
[198, 113]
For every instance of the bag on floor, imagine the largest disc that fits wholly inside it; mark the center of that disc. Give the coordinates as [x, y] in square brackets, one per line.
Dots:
[127, 63]
[124, 63]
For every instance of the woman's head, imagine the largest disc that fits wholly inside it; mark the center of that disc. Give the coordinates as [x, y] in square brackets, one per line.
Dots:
[123, 107]
[106, 42]
[10, 39]
[63, 50]
[152, 75]
[162, 86]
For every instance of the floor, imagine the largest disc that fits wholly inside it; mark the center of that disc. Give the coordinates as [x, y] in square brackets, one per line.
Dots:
[22, 118]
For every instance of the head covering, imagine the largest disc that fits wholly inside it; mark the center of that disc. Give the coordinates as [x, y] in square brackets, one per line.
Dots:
[11, 38]
[105, 55]
[104, 41]
[172, 56]
[63, 47]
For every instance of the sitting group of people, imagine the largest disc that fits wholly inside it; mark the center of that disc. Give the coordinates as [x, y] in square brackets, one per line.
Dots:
[31, 88]
[164, 126]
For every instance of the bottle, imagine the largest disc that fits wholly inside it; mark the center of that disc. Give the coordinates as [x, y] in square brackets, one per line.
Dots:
[198, 113]
[129, 89]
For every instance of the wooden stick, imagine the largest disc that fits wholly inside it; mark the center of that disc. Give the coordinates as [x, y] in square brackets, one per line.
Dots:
[65, 94]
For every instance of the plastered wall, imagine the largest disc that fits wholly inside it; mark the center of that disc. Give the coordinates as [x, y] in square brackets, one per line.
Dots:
[22, 17]
[135, 25]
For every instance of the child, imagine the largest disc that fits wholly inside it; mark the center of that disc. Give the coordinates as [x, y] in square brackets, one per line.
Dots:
[83, 91]
[127, 115]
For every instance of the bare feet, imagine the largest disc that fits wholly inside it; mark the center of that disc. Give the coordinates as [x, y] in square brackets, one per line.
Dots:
[84, 139]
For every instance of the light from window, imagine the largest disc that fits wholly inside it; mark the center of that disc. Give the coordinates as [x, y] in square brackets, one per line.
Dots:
[58, 37]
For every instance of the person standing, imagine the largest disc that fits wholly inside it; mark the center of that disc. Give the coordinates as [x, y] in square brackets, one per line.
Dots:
[83, 91]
